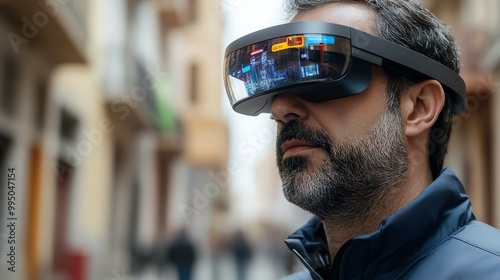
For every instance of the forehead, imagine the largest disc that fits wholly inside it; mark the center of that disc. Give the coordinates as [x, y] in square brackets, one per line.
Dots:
[356, 15]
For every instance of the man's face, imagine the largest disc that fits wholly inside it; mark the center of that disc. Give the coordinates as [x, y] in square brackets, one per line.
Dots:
[336, 156]
[344, 177]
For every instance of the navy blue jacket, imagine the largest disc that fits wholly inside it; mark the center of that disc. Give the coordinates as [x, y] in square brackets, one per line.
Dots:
[435, 236]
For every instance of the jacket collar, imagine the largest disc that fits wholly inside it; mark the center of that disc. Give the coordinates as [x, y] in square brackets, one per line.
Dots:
[441, 209]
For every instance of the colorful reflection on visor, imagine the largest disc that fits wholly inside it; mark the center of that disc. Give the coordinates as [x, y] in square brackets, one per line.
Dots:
[285, 61]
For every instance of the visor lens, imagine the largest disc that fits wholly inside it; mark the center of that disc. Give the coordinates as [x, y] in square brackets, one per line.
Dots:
[284, 62]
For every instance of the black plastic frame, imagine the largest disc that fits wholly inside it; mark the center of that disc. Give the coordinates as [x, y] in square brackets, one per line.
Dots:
[366, 50]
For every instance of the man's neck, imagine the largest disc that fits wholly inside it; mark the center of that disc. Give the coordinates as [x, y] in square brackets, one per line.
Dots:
[339, 230]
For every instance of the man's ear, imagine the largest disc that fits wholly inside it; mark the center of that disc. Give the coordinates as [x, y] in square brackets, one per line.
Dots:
[421, 105]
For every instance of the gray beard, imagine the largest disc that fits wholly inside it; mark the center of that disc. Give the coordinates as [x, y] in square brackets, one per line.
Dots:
[355, 175]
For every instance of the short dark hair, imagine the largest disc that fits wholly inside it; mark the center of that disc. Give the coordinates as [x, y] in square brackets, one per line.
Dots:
[408, 23]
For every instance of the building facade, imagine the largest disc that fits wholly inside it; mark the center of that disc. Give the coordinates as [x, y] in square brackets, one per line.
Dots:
[97, 115]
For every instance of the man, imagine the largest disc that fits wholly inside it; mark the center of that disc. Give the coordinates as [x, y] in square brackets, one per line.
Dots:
[181, 252]
[361, 142]
[241, 250]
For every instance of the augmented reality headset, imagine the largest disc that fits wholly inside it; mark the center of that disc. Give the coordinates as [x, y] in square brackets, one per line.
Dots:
[320, 61]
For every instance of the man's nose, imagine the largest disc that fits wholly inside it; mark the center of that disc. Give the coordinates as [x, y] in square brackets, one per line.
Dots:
[287, 107]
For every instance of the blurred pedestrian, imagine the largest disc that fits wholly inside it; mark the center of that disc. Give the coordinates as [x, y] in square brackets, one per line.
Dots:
[242, 253]
[182, 254]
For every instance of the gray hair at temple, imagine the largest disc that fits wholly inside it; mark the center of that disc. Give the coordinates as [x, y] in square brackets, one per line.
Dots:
[408, 23]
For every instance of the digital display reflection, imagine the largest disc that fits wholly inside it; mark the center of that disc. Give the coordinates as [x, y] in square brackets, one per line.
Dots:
[286, 61]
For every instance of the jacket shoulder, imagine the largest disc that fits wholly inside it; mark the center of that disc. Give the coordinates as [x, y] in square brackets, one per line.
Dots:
[472, 253]
[481, 236]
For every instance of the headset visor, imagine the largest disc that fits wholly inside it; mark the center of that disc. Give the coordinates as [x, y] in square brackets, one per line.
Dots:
[285, 61]
[320, 61]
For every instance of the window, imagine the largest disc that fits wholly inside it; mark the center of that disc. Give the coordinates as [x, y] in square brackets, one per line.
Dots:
[193, 14]
[8, 82]
[5, 143]
[67, 125]
[193, 90]
[40, 104]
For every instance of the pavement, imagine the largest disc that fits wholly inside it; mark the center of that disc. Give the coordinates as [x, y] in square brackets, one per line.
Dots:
[261, 267]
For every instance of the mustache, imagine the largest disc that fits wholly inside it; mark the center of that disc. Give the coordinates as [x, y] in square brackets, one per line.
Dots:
[297, 130]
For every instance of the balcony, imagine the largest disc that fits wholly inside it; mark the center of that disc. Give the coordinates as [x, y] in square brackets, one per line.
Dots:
[206, 141]
[58, 27]
[175, 13]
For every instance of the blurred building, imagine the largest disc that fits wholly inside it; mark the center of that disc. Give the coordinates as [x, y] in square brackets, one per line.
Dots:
[37, 125]
[109, 112]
